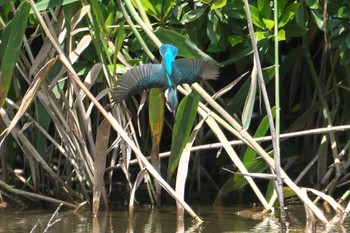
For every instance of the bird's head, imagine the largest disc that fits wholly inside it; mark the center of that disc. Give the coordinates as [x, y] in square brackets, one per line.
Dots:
[168, 50]
[171, 99]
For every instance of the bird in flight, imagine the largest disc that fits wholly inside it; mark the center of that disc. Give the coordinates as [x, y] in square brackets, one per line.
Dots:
[166, 75]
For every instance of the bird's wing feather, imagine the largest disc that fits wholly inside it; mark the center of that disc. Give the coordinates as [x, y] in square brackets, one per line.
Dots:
[138, 79]
[187, 70]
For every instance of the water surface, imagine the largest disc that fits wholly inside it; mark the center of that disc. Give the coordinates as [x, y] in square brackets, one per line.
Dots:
[147, 219]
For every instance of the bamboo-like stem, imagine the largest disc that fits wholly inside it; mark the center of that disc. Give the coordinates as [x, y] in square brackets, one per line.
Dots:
[266, 102]
[116, 126]
[142, 13]
[143, 25]
[137, 34]
[277, 157]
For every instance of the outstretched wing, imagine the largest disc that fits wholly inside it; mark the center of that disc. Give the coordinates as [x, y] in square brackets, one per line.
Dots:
[138, 79]
[189, 71]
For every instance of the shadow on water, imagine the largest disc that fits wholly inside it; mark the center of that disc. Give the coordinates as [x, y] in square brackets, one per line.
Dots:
[144, 219]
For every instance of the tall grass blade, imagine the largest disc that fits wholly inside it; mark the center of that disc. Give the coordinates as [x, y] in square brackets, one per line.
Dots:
[11, 42]
[185, 117]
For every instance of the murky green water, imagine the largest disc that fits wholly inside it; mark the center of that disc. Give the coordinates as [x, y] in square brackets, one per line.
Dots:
[146, 219]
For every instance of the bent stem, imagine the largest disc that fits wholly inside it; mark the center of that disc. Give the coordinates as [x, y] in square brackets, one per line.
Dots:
[270, 162]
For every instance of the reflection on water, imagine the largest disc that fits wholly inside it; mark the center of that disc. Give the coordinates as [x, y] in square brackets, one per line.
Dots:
[145, 219]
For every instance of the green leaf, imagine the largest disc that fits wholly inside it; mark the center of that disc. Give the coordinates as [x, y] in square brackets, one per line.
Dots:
[186, 47]
[281, 5]
[47, 4]
[262, 35]
[318, 16]
[265, 8]
[301, 16]
[11, 47]
[185, 117]
[149, 8]
[218, 4]
[192, 15]
[234, 40]
[313, 4]
[156, 114]
[281, 35]
[256, 17]
[269, 23]
[288, 14]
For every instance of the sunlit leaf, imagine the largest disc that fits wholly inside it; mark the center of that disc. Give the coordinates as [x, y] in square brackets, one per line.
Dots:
[313, 4]
[281, 35]
[256, 17]
[185, 117]
[318, 16]
[269, 23]
[218, 4]
[288, 14]
[261, 35]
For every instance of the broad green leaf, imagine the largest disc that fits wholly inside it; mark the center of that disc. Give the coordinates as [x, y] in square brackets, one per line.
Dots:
[281, 35]
[265, 8]
[256, 17]
[343, 12]
[234, 40]
[313, 4]
[192, 15]
[301, 16]
[261, 35]
[218, 4]
[186, 114]
[269, 23]
[11, 47]
[186, 47]
[281, 5]
[288, 14]
[318, 16]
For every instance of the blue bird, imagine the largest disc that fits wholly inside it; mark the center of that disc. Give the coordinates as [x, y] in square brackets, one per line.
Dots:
[167, 76]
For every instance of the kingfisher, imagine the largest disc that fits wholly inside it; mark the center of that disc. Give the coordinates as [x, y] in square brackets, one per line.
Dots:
[166, 75]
